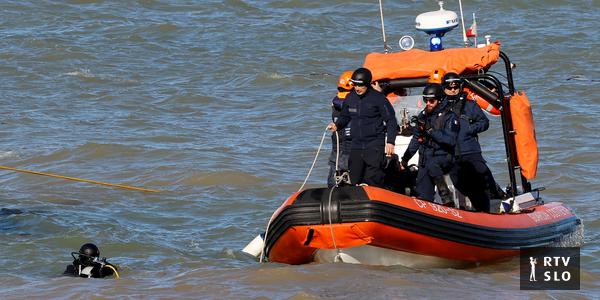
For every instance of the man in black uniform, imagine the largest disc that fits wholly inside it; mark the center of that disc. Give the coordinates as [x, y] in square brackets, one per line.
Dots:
[372, 118]
[345, 142]
[470, 174]
[88, 264]
[436, 129]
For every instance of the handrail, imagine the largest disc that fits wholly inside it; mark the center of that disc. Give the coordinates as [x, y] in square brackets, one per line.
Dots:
[507, 128]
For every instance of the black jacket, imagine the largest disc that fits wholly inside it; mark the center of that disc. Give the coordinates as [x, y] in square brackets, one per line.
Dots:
[371, 117]
[472, 122]
[436, 136]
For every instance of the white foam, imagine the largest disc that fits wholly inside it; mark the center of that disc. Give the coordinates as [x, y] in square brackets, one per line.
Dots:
[573, 239]
[85, 73]
[276, 76]
[8, 154]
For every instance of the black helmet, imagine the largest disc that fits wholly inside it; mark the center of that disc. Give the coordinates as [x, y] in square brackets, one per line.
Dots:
[433, 90]
[450, 78]
[361, 77]
[88, 252]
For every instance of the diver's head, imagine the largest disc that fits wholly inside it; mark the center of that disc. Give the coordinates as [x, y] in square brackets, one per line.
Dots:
[88, 253]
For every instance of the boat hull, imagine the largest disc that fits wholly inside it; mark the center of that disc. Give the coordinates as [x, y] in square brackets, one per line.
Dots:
[314, 221]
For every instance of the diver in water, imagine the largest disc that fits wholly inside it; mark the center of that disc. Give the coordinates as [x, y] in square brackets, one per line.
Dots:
[88, 264]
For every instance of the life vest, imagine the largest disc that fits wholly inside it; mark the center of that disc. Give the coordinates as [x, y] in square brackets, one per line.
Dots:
[486, 106]
[525, 141]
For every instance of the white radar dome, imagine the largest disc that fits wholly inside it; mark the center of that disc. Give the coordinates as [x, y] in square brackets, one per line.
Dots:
[437, 22]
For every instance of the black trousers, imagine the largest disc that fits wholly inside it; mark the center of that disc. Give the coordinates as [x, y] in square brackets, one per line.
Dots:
[472, 177]
[432, 167]
[366, 166]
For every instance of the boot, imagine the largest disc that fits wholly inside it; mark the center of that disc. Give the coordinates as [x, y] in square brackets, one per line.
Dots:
[500, 194]
[444, 191]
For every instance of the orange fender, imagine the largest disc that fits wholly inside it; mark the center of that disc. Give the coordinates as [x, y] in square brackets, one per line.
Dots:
[525, 141]
[486, 106]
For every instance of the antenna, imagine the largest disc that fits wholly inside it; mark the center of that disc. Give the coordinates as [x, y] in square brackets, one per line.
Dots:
[462, 21]
[475, 29]
[386, 48]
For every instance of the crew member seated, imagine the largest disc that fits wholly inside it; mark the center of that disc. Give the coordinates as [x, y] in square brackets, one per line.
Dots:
[88, 264]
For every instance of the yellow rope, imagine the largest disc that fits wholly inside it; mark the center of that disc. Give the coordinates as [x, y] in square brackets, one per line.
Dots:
[114, 270]
[79, 179]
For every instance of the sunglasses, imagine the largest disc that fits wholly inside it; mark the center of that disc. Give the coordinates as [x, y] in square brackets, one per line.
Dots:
[456, 87]
[430, 100]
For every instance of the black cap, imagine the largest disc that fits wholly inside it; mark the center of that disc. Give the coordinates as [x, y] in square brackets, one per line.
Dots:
[361, 77]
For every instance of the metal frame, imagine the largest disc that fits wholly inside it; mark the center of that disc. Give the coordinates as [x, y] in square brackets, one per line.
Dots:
[500, 102]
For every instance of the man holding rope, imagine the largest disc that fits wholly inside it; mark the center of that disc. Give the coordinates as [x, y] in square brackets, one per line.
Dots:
[372, 119]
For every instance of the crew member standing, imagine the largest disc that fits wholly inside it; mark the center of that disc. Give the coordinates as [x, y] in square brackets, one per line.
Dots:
[470, 174]
[434, 138]
[372, 119]
[344, 88]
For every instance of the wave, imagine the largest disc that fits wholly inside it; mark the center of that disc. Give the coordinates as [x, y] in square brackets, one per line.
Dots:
[228, 178]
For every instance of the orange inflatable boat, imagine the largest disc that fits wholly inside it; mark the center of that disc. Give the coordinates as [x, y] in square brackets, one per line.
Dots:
[375, 226]
[370, 225]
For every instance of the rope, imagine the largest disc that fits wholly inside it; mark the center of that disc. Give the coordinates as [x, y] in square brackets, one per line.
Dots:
[314, 161]
[79, 179]
[262, 252]
[337, 155]
[337, 182]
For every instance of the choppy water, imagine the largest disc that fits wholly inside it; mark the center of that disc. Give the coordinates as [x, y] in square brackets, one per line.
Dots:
[221, 105]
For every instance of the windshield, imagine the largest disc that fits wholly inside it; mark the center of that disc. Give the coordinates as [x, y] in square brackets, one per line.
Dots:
[406, 107]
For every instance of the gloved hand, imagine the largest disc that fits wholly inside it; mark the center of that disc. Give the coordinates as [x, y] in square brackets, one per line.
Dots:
[428, 131]
[403, 164]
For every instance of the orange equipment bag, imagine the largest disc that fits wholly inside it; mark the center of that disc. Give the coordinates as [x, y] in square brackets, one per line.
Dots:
[525, 141]
[417, 63]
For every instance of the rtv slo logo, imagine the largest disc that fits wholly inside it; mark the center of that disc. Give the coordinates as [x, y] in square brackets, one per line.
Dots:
[553, 275]
[550, 269]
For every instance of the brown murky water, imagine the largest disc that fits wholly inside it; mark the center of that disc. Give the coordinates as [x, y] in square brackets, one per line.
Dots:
[221, 105]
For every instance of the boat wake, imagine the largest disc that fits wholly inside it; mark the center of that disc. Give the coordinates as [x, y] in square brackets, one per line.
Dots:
[572, 239]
